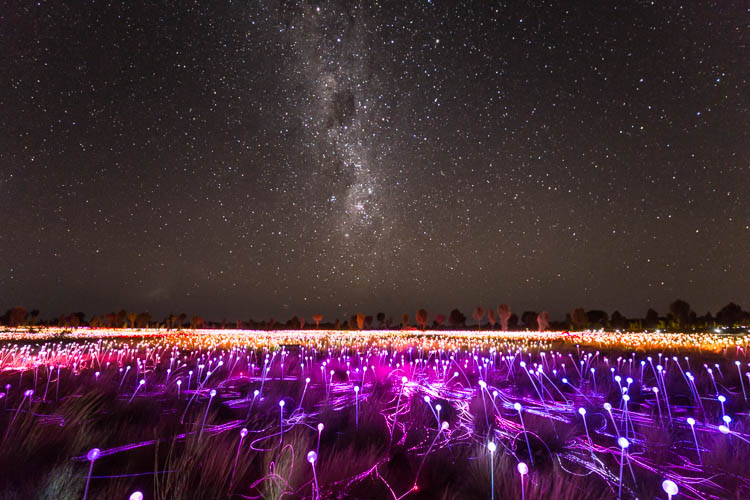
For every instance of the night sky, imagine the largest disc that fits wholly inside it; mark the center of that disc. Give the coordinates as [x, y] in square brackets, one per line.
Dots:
[266, 158]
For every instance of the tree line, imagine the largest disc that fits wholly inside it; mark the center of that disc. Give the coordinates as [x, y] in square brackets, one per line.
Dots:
[680, 317]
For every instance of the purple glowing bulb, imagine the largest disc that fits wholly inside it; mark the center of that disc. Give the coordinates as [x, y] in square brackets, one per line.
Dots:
[136, 495]
[523, 469]
[93, 454]
[312, 457]
[243, 432]
[624, 443]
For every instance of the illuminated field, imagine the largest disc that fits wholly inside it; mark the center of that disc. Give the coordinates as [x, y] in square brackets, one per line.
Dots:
[373, 414]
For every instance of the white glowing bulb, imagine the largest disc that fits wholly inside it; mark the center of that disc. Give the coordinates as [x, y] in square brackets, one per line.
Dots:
[669, 487]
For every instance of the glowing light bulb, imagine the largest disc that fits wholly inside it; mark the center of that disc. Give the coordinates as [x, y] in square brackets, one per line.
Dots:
[523, 469]
[624, 443]
[312, 457]
[669, 487]
[492, 447]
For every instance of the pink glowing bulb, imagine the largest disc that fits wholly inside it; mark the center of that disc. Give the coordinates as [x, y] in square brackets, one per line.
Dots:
[136, 495]
[312, 457]
[523, 469]
[93, 454]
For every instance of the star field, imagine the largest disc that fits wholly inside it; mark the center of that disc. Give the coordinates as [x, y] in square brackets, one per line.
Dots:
[255, 159]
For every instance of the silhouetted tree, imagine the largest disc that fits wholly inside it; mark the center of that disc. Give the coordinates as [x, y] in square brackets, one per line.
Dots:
[681, 312]
[368, 322]
[17, 316]
[730, 315]
[491, 317]
[618, 321]
[542, 321]
[121, 317]
[317, 318]
[439, 320]
[389, 323]
[352, 323]
[578, 319]
[143, 320]
[528, 318]
[513, 321]
[170, 321]
[457, 319]
[597, 318]
[110, 320]
[404, 320]
[33, 317]
[360, 321]
[269, 324]
[503, 312]
[337, 325]
[652, 319]
[81, 317]
[381, 319]
[478, 315]
[422, 318]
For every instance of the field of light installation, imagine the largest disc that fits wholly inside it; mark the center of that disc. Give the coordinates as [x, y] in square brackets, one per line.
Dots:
[383, 414]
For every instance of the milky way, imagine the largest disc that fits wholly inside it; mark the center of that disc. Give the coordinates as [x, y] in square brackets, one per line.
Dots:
[254, 159]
